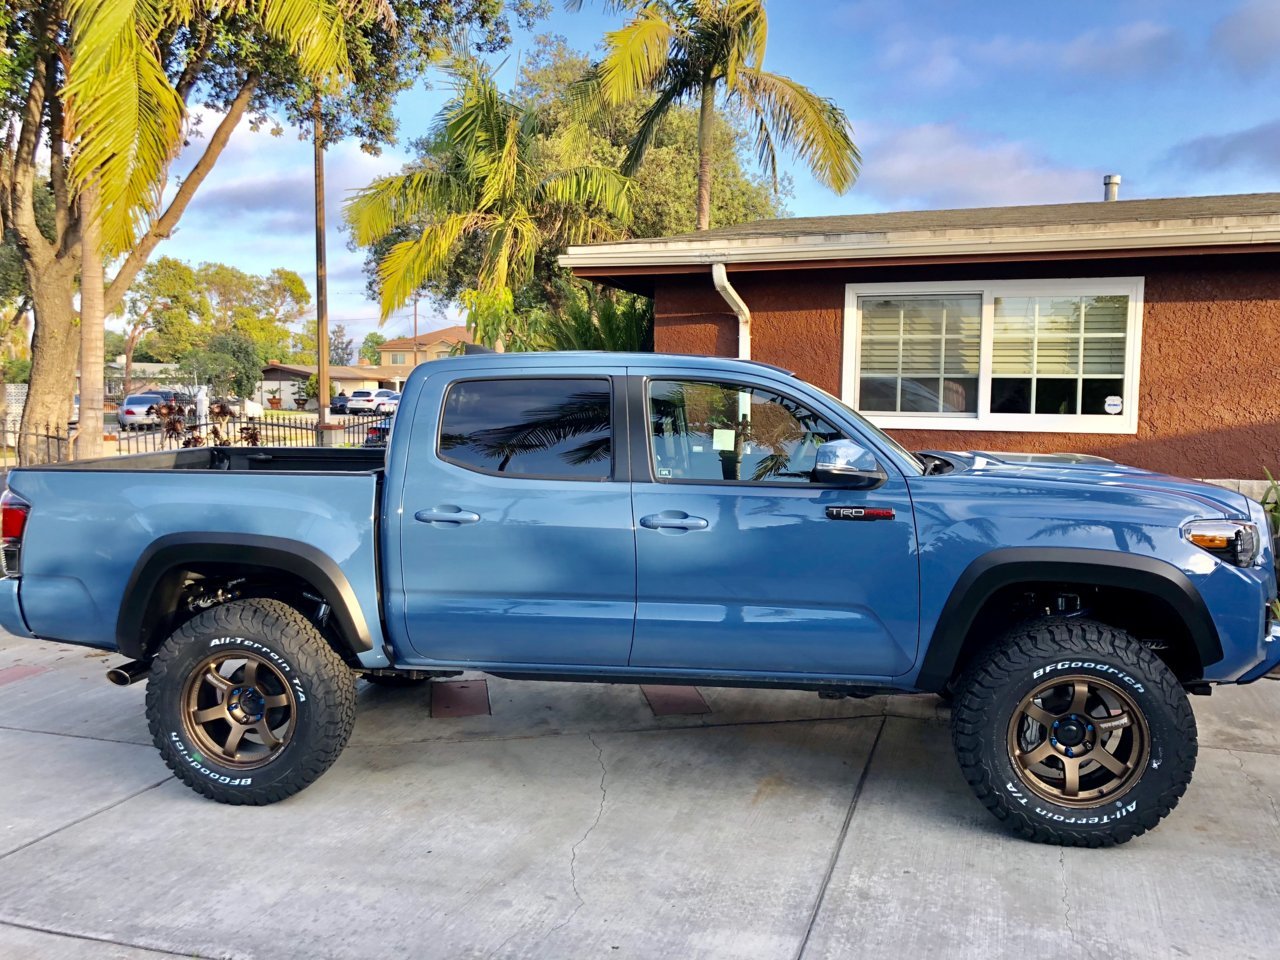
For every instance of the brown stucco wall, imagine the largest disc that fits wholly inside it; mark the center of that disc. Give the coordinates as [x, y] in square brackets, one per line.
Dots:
[1209, 387]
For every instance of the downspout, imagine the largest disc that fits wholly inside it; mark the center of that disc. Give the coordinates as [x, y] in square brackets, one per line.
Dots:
[721, 279]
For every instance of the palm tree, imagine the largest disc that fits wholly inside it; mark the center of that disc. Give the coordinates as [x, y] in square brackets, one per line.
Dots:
[486, 180]
[122, 120]
[679, 50]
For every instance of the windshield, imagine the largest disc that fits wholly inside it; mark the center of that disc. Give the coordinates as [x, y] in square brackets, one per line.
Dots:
[361, 393]
[912, 461]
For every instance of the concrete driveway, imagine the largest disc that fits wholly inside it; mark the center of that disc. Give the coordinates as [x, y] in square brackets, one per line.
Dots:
[574, 822]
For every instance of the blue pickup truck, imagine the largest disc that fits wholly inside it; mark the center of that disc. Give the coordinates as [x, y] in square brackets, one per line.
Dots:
[644, 518]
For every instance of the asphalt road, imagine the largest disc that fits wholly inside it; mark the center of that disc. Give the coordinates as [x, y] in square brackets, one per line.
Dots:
[573, 822]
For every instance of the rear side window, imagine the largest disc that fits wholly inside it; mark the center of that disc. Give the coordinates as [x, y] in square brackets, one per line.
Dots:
[536, 427]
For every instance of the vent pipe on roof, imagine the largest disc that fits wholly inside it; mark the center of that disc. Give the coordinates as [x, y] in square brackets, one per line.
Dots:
[1111, 187]
[720, 277]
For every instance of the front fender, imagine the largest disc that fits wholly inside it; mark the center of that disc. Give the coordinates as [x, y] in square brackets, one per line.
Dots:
[1010, 566]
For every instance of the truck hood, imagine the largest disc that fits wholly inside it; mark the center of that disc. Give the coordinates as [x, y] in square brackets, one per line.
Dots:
[1079, 468]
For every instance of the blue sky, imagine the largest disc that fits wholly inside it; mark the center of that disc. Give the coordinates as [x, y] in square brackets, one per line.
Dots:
[953, 102]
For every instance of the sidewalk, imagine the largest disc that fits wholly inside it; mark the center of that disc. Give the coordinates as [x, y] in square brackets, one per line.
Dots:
[573, 822]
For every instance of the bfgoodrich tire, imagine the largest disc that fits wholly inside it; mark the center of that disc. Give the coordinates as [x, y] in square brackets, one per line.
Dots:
[1074, 733]
[248, 704]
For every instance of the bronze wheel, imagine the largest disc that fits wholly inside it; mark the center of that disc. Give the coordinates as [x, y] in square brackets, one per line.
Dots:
[238, 709]
[1078, 741]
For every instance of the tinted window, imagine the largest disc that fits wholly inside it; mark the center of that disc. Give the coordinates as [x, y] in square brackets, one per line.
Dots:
[361, 393]
[722, 431]
[530, 428]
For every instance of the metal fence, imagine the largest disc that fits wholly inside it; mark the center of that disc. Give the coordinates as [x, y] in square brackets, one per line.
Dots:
[55, 443]
[51, 443]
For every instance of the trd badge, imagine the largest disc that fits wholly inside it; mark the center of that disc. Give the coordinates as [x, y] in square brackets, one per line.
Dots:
[859, 513]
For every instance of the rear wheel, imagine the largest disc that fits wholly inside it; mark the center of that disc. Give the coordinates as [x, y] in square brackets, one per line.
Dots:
[1072, 732]
[248, 704]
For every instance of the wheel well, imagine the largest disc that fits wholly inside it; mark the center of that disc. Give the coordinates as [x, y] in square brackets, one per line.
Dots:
[183, 592]
[1147, 617]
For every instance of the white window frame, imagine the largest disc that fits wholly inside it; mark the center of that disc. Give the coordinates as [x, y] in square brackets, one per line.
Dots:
[1125, 422]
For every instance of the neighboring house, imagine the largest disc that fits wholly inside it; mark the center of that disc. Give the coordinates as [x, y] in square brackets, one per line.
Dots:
[431, 346]
[143, 376]
[290, 379]
[1142, 330]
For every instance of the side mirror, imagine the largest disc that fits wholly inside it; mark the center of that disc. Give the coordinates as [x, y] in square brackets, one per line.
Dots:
[847, 463]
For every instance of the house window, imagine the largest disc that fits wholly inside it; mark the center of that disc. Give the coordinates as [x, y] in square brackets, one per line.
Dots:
[397, 358]
[1045, 355]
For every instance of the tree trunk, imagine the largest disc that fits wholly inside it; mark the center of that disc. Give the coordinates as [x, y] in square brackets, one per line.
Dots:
[92, 328]
[128, 366]
[54, 346]
[706, 121]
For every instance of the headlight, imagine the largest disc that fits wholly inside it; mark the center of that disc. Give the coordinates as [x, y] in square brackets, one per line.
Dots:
[1234, 541]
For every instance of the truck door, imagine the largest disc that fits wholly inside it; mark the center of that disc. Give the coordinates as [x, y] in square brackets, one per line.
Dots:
[745, 563]
[516, 541]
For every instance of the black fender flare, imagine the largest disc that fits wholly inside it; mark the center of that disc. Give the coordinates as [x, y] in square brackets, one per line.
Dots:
[1012, 565]
[150, 597]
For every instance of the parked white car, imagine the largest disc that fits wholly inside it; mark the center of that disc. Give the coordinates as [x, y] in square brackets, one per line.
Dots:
[138, 412]
[366, 401]
[388, 404]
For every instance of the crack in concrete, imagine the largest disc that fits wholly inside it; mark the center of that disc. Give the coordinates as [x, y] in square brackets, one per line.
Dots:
[1258, 786]
[1066, 904]
[573, 852]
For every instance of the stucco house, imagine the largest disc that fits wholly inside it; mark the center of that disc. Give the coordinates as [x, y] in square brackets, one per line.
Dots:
[290, 378]
[430, 346]
[1141, 330]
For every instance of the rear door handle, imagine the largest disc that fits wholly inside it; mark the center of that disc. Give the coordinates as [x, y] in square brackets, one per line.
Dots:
[673, 520]
[447, 513]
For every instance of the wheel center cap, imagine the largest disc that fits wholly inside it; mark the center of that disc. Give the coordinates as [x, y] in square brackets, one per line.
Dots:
[1070, 732]
[247, 704]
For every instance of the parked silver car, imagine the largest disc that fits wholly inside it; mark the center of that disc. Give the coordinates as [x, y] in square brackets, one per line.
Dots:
[138, 411]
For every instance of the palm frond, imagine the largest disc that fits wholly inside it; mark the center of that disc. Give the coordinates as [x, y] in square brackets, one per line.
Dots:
[744, 32]
[410, 263]
[313, 30]
[650, 121]
[589, 186]
[635, 55]
[374, 211]
[812, 127]
[124, 116]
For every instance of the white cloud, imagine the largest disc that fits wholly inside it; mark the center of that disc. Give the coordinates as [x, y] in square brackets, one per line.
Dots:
[942, 165]
[256, 210]
[1142, 47]
[1248, 39]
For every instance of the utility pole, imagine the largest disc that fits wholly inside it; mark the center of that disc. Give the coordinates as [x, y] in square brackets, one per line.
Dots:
[322, 280]
[415, 329]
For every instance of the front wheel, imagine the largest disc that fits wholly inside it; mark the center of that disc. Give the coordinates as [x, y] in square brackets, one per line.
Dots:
[1072, 732]
[248, 704]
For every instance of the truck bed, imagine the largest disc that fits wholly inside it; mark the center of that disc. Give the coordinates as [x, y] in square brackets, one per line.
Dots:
[240, 460]
[93, 522]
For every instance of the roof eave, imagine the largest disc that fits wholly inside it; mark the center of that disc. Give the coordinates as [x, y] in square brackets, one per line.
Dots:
[922, 244]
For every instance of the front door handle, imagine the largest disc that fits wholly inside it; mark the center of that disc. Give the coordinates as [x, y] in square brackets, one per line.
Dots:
[673, 520]
[447, 513]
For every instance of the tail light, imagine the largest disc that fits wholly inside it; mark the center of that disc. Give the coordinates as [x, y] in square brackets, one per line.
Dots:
[13, 524]
[128, 412]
